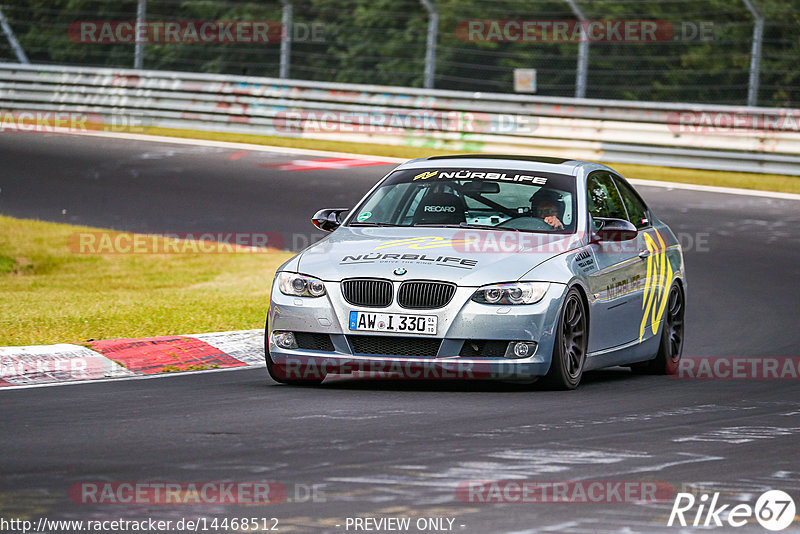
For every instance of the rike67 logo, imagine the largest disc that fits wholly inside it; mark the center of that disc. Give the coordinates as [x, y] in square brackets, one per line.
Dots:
[774, 510]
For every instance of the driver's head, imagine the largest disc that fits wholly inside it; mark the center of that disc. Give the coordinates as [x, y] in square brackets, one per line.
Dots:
[545, 208]
[546, 203]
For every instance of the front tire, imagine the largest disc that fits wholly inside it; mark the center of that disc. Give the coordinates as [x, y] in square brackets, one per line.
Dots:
[278, 372]
[569, 350]
[671, 347]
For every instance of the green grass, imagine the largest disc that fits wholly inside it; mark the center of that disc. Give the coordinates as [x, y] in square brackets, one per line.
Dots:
[7, 264]
[743, 180]
[51, 294]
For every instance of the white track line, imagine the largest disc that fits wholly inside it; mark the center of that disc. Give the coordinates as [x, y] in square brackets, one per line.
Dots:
[235, 146]
[389, 160]
[715, 189]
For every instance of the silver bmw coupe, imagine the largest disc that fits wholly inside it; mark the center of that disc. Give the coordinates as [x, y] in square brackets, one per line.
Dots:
[482, 267]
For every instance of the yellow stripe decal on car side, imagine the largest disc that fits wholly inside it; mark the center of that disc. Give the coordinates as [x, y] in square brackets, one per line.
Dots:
[656, 288]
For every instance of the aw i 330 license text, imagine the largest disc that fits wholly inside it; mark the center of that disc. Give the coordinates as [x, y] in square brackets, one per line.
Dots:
[482, 267]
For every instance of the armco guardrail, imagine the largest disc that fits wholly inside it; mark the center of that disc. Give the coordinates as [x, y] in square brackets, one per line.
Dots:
[675, 135]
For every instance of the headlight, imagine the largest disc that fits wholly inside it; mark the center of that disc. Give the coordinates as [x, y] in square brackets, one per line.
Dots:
[514, 293]
[300, 285]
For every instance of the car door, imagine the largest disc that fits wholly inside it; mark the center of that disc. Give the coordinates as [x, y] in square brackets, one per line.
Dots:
[616, 310]
[650, 287]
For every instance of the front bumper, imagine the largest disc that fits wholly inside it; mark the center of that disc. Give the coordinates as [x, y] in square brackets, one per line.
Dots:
[462, 321]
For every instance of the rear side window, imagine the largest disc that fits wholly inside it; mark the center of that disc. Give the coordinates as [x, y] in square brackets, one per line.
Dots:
[603, 200]
[637, 211]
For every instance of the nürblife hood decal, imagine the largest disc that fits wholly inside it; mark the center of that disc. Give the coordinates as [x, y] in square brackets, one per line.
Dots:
[446, 254]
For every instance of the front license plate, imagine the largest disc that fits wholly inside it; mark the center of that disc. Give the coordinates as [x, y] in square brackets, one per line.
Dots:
[393, 322]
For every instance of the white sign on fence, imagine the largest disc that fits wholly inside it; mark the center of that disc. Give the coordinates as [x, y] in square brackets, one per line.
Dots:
[525, 80]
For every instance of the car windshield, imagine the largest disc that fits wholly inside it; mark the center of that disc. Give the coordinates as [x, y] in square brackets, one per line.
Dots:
[498, 199]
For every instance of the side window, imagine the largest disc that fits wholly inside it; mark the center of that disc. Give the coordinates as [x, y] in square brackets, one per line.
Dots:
[637, 210]
[603, 200]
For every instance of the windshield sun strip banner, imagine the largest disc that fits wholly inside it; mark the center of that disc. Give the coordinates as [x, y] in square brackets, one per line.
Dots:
[563, 182]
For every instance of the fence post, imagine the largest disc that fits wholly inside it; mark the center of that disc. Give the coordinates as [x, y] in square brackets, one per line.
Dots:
[286, 39]
[755, 53]
[430, 47]
[583, 51]
[12, 39]
[141, 15]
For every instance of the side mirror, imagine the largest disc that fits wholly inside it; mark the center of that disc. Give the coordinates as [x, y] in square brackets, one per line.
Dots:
[329, 219]
[614, 229]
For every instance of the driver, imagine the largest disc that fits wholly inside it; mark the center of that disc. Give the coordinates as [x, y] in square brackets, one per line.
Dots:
[543, 206]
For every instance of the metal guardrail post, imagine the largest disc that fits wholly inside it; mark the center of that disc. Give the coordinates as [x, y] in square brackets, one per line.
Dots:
[582, 69]
[430, 47]
[141, 15]
[286, 39]
[755, 53]
[12, 39]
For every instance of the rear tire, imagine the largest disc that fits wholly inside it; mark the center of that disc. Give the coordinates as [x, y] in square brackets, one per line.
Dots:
[671, 347]
[569, 350]
[278, 374]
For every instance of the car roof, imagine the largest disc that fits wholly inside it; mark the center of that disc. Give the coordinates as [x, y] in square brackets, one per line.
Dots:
[506, 161]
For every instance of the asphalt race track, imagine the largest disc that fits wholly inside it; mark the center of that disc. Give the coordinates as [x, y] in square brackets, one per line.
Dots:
[381, 448]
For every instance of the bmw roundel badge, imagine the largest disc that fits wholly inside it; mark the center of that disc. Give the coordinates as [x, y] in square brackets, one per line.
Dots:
[400, 271]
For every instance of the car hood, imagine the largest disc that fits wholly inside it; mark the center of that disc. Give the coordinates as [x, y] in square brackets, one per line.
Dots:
[466, 257]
